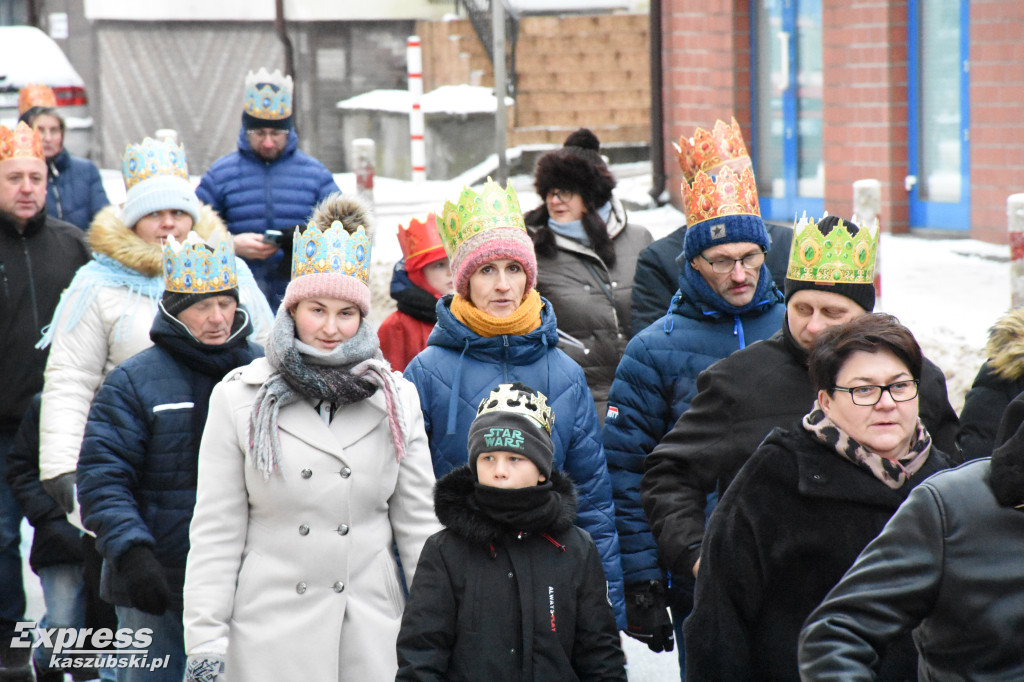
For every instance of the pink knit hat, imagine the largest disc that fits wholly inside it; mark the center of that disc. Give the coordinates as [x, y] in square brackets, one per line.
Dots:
[494, 244]
[328, 285]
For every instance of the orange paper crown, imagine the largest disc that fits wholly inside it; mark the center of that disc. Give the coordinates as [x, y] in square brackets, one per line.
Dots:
[35, 95]
[709, 152]
[21, 143]
[419, 238]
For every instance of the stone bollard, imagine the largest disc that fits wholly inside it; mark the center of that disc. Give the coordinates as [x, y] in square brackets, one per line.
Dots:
[1015, 227]
[867, 205]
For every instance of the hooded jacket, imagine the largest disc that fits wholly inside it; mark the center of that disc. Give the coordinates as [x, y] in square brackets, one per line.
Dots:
[74, 192]
[654, 384]
[999, 381]
[493, 603]
[253, 195]
[458, 368]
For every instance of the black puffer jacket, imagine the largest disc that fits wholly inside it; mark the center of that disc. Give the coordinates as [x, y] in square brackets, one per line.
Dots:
[491, 603]
[739, 400]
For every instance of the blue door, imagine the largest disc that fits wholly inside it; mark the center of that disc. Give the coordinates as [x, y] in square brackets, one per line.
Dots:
[938, 177]
[785, 144]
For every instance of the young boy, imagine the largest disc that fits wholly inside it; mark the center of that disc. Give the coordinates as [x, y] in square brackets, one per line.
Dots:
[511, 589]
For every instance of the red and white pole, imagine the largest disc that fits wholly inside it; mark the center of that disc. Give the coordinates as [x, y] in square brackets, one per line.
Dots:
[1015, 227]
[418, 150]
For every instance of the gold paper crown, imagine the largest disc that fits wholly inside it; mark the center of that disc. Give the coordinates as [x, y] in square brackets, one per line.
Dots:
[150, 158]
[190, 267]
[21, 143]
[419, 238]
[35, 95]
[708, 152]
[507, 398]
[728, 193]
[493, 207]
[268, 96]
[835, 258]
[332, 251]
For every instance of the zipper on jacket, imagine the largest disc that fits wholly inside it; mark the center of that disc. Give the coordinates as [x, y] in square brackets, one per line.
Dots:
[31, 283]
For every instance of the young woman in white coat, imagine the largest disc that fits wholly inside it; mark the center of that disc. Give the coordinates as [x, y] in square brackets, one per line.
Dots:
[313, 467]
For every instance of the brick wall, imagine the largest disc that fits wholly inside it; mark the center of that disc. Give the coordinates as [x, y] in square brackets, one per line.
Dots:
[997, 113]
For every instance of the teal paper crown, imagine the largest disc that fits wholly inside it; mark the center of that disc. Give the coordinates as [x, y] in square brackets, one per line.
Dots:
[268, 96]
[332, 251]
[193, 267]
[151, 158]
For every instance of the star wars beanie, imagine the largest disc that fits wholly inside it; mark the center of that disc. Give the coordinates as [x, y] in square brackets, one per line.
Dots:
[513, 418]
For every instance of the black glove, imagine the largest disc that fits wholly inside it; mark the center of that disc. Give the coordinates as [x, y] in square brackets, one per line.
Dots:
[62, 490]
[144, 577]
[647, 616]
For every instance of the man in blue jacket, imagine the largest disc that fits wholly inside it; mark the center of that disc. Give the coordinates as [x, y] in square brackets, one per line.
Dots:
[138, 468]
[268, 184]
[726, 300]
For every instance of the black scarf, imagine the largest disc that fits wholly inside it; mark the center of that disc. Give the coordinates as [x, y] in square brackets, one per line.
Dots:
[532, 509]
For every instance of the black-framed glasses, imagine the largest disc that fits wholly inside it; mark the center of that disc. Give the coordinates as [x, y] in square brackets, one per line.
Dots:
[563, 195]
[260, 133]
[752, 261]
[866, 396]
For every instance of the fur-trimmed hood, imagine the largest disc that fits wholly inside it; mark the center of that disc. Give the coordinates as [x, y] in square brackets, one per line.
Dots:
[457, 511]
[1005, 347]
[347, 210]
[108, 235]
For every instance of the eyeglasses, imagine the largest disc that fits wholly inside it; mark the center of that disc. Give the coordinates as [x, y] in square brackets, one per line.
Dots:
[265, 133]
[723, 266]
[866, 396]
[563, 195]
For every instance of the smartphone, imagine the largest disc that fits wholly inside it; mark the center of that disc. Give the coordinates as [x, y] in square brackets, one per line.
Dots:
[272, 237]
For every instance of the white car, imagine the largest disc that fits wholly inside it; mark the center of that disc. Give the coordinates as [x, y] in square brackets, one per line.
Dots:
[27, 55]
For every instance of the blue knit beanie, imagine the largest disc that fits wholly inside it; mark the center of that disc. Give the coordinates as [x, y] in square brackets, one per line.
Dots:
[724, 230]
[160, 193]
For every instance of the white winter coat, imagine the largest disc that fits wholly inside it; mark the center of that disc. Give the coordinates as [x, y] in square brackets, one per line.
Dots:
[296, 575]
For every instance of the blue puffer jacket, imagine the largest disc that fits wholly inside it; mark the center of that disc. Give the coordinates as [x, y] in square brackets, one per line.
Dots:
[74, 190]
[253, 195]
[137, 471]
[458, 369]
[654, 383]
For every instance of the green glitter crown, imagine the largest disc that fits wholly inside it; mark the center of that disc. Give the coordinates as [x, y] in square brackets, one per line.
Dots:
[836, 258]
[475, 213]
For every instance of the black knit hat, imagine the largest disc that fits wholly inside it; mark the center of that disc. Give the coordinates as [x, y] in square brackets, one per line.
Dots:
[863, 294]
[576, 167]
[174, 303]
[513, 418]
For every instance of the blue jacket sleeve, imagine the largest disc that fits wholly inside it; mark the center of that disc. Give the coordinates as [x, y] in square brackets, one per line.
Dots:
[209, 192]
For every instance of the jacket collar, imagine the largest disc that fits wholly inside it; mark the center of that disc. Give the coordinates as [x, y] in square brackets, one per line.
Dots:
[34, 225]
[517, 349]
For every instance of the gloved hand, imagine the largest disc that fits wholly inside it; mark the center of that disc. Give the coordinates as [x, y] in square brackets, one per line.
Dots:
[62, 490]
[144, 577]
[204, 667]
[647, 616]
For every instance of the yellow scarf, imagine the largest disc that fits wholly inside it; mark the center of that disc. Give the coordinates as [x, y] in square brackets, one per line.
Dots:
[523, 320]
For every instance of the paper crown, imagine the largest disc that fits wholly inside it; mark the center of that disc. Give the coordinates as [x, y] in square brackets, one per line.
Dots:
[35, 95]
[709, 152]
[151, 158]
[21, 143]
[331, 251]
[191, 267]
[835, 258]
[419, 238]
[268, 96]
[507, 398]
[475, 213]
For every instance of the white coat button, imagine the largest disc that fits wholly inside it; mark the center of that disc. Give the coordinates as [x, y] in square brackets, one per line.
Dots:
[343, 529]
[301, 588]
[304, 529]
[586, 287]
[339, 587]
[346, 472]
[510, 575]
[615, 284]
[306, 473]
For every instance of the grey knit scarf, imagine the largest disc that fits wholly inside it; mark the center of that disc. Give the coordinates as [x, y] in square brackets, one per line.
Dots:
[351, 372]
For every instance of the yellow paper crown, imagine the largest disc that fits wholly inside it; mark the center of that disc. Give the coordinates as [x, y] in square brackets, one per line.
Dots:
[710, 152]
[718, 179]
[21, 143]
[492, 208]
[332, 251]
[506, 398]
[195, 267]
[35, 95]
[838, 257]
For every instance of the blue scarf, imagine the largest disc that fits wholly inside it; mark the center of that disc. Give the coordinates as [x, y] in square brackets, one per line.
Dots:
[706, 295]
[574, 228]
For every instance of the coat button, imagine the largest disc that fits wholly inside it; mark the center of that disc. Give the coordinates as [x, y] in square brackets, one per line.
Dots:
[306, 473]
[339, 587]
[615, 284]
[304, 529]
[510, 575]
[586, 287]
[343, 529]
[346, 472]
[301, 588]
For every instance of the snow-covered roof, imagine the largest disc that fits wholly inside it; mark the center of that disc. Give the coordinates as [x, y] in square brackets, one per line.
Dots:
[27, 55]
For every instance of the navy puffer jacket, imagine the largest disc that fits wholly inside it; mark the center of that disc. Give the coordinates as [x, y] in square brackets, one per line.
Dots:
[654, 384]
[253, 195]
[137, 472]
[74, 191]
[458, 368]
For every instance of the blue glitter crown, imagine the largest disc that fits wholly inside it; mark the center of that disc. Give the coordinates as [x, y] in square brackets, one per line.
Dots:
[194, 267]
[268, 96]
[152, 158]
[332, 251]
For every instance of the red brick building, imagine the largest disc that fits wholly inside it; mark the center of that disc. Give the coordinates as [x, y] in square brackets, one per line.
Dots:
[926, 96]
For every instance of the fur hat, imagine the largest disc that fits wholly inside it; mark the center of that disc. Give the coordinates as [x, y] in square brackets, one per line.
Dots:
[577, 167]
[513, 418]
